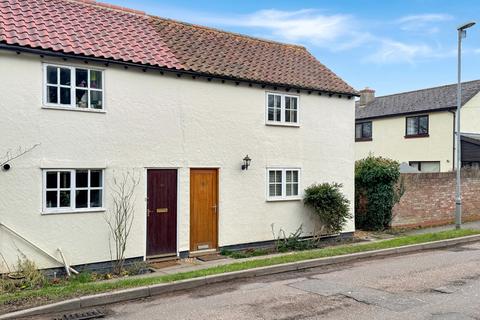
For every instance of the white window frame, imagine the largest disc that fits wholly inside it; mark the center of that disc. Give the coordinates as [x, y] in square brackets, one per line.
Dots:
[284, 196]
[73, 188]
[73, 87]
[282, 121]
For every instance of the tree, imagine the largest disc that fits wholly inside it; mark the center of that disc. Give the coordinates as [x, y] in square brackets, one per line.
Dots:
[120, 218]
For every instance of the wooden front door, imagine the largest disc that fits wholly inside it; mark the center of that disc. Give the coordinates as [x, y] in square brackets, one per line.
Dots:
[161, 212]
[203, 209]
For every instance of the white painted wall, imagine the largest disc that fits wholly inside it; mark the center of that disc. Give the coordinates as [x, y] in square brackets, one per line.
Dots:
[470, 115]
[388, 140]
[161, 121]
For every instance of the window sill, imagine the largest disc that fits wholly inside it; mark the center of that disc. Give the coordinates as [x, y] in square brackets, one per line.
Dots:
[74, 109]
[284, 199]
[363, 139]
[73, 211]
[417, 136]
[282, 124]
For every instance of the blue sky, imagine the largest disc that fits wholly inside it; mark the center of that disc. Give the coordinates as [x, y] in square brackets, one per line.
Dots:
[390, 46]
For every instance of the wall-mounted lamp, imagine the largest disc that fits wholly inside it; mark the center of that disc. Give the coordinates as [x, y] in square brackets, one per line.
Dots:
[246, 162]
[6, 167]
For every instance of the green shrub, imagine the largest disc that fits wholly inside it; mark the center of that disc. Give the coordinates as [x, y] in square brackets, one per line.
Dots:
[375, 192]
[329, 204]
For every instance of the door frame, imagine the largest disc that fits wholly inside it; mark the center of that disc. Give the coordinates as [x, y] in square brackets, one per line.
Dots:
[177, 240]
[190, 208]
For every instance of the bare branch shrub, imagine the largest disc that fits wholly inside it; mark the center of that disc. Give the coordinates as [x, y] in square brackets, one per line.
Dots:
[120, 218]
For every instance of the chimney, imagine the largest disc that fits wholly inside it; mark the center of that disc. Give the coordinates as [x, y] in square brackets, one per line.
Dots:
[367, 95]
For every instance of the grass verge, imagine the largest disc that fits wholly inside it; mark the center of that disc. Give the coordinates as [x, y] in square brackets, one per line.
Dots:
[60, 292]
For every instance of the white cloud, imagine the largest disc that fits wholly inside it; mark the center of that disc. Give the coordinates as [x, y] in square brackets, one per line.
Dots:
[391, 51]
[422, 23]
[337, 31]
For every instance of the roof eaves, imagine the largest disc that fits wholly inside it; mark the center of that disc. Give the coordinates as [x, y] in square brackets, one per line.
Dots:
[40, 51]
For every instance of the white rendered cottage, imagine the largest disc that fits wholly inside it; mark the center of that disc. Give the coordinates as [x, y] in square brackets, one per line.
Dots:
[105, 91]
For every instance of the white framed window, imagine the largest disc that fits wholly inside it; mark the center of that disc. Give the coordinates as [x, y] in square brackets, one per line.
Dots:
[73, 87]
[73, 190]
[282, 109]
[283, 184]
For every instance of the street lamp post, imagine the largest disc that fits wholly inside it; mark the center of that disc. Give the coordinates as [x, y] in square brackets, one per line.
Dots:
[462, 32]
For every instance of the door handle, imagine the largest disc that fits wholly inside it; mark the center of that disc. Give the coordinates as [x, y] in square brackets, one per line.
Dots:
[214, 207]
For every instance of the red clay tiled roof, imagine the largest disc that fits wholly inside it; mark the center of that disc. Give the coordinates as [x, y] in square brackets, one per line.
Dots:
[104, 31]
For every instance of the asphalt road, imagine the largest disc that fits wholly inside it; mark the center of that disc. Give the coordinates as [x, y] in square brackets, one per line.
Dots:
[440, 284]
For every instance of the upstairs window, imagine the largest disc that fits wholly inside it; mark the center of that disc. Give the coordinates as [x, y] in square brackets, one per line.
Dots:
[73, 87]
[282, 109]
[363, 131]
[416, 126]
[283, 184]
[72, 190]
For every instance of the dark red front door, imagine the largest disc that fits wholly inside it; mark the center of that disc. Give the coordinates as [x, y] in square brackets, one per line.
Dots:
[161, 212]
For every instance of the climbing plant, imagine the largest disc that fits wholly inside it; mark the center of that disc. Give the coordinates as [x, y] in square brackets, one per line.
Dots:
[376, 192]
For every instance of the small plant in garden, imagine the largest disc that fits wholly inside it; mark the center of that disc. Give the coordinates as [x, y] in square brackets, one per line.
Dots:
[27, 276]
[329, 204]
[120, 218]
[376, 192]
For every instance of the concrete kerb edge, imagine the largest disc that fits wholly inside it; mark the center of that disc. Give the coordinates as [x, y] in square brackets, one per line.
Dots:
[158, 289]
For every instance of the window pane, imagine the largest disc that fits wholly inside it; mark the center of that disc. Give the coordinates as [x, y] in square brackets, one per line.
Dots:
[271, 190]
[271, 176]
[278, 116]
[81, 199]
[278, 189]
[367, 130]
[270, 114]
[52, 94]
[51, 201]
[278, 176]
[51, 180]
[81, 77]
[96, 99]
[412, 126]
[270, 100]
[65, 77]
[430, 166]
[295, 190]
[358, 131]
[423, 125]
[289, 176]
[64, 179]
[81, 98]
[65, 198]
[294, 117]
[95, 178]
[289, 189]
[294, 103]
[95, 198]
[95, 79]
[52, 75]
[287, 102]
[287, 115]
[65, 96]
[295, 176]
[81, 178]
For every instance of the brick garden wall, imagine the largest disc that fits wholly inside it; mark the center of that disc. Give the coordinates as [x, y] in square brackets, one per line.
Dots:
[429, 199]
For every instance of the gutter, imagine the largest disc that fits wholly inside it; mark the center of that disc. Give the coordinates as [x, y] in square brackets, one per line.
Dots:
[145, 67]
[391, 115]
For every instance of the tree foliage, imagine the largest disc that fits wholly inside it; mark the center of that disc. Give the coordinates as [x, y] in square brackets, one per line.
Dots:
[329, 204]
[375, 192]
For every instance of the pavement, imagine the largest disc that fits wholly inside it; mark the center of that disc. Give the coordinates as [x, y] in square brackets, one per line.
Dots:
[467, 225]
[435, 284]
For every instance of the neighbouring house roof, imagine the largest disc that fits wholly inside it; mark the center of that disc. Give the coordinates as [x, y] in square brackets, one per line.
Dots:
[430, 99]
[91, 29]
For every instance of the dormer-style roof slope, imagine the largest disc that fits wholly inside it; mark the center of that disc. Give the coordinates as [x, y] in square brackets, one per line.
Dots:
[90, 29]
[424, 100]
